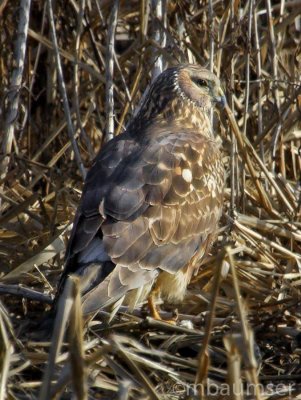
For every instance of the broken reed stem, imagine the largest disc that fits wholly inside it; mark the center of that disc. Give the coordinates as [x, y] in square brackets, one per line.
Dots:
[221, 40]
[247, 72]
[245, 145]
[269, 177]
[13, 96]
[273, 51]
[76, 345]
[269, 243]
[268, 227]
[234, 167]
[147, 385]
[133, 94]
[241, 313]
[246, 158]
[143, 16]
[246, 331]
[26, 293]
[211, 43]
[203, 358]
[5, 353]
[126, 89]
[211, 38]
[64, 308]
[124, 389]
[276, 135]
[76, 103]
[63, 91]
[259, 76]
[234, 368]
[39, 50]
[110, 71]
[159, 36]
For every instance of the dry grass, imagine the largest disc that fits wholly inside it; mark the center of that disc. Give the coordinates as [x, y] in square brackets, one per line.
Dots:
[52, 126]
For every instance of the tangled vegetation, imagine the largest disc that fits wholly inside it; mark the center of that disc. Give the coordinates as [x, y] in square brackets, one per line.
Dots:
[72, 75]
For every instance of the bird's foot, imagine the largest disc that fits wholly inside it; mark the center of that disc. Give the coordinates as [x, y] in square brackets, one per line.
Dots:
[155, 313]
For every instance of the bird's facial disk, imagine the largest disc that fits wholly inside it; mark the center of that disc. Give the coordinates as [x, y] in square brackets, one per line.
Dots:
[202, 87]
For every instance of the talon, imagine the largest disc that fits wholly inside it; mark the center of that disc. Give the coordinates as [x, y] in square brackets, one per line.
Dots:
[176, 315]
[170, 321]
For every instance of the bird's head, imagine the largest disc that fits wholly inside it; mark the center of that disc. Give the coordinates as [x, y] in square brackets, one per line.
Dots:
[189, 82]
[182, 93]
[199, 85]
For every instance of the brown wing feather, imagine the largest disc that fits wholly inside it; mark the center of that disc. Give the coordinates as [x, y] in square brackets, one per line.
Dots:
[176, 212]
[88, 218]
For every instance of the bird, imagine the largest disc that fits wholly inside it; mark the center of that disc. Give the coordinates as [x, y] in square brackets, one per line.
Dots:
[152, 200]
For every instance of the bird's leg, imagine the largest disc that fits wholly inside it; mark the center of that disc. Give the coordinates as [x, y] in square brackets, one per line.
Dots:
[154, 310]
[152, 305]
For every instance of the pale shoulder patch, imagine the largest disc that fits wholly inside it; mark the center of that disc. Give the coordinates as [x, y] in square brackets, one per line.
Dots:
[187, 175]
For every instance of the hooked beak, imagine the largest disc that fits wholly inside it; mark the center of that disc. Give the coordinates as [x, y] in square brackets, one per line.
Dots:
[220, 98]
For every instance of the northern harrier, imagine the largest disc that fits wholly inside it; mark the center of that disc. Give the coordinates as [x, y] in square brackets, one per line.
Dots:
[152, 199]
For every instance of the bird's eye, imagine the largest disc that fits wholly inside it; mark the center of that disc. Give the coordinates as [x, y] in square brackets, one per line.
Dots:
[200, 82]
